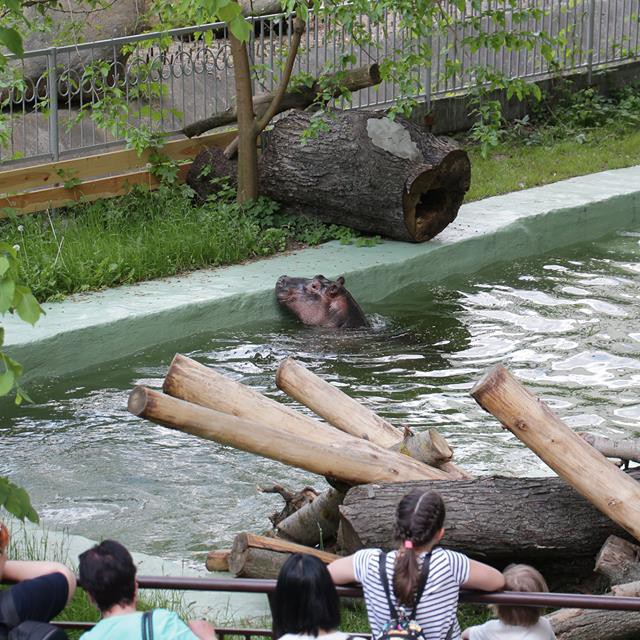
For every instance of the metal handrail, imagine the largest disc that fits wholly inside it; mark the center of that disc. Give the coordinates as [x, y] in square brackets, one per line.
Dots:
[251, 585]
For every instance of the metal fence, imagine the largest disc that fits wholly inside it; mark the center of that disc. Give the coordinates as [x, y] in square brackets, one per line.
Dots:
[246, 585]
[186, 74]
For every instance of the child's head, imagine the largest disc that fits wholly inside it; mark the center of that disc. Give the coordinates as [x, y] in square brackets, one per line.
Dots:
[306, 601]
[521, 577]
[419, 521]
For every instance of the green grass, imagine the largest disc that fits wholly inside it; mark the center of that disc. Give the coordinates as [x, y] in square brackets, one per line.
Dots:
[520, 166]
[147, 235]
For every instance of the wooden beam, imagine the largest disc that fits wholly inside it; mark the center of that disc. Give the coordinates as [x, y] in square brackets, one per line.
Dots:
[608, 488]
[86, 192]
[54, 174]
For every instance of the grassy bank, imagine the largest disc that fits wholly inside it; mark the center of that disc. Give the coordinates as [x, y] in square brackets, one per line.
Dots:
[149, 235]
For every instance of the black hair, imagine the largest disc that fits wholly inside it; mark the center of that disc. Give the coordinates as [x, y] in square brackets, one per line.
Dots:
[108, 574]
[305, 600]
[419, 516]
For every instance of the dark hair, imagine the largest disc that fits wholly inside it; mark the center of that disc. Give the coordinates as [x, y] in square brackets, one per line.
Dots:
[305, 600]
[521, 577]
[419, 516]
[108, 575]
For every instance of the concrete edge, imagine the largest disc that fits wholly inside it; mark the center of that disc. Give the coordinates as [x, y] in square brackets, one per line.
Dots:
[92, 330]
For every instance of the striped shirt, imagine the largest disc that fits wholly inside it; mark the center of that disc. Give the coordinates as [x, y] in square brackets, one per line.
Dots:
[436, 611]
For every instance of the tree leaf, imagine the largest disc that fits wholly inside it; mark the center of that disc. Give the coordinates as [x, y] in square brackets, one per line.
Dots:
[7, 291]
[11, 39]
[28, 308]
[17, 501]
[6, 382]
[240, 28]
[229, 12]
[4, 265]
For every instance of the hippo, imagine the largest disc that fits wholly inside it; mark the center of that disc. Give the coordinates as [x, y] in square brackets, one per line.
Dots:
[320, 302]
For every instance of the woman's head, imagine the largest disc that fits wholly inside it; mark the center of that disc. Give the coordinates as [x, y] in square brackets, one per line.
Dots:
[419, 520]
[306, 600]
[108, 574]
[521, 577]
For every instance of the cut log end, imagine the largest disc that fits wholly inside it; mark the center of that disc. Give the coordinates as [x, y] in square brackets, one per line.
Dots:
[433, 199]
[138, 399]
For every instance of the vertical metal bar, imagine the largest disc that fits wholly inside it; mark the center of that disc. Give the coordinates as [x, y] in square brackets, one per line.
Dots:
[52, 89]
[590, 34]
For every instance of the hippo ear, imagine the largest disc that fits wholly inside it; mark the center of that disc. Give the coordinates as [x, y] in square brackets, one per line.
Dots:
[340, 281]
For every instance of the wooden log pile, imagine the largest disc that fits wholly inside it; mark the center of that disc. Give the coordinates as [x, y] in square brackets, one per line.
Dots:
[555, 523]
[361, 449]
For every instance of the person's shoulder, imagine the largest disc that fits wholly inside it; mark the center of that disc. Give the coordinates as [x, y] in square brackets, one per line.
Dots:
[448, 554]
[546, 628]
[487, 630]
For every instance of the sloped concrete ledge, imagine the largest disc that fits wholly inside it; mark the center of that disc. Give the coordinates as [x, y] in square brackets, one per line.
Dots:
[90, 330]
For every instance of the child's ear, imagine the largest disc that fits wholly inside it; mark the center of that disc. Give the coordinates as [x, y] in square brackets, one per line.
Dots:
[439, 535]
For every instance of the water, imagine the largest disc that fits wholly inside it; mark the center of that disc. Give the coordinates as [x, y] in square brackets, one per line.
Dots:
[565, 324]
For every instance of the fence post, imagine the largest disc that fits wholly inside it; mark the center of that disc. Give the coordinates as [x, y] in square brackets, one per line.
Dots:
[590, 39]
[52, 90]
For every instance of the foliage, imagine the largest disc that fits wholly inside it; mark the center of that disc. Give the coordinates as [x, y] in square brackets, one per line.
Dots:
[147, 235]
[15, 297]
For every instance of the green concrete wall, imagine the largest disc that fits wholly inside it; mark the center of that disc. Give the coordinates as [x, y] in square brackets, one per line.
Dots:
[89, 330]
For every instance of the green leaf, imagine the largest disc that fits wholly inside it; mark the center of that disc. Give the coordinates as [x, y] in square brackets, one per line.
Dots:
[7, 291]
[4, 265]
[229, 12]
[28, 308]
[11, 39]
[18, 504]
[1, 336]
[240, 28]
[6, 382]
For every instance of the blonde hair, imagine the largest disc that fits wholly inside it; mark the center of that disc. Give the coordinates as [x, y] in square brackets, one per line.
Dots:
[521, 577]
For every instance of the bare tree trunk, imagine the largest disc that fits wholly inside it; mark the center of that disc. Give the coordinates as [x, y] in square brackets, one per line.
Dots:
[623, 448]
[247, 150]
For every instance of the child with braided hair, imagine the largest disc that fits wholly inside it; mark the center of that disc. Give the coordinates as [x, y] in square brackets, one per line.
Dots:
[419, 565]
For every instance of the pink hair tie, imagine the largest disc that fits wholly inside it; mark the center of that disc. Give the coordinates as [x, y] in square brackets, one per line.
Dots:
[408, 544]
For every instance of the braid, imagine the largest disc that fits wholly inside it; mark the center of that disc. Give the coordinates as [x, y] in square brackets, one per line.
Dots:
[419, 516]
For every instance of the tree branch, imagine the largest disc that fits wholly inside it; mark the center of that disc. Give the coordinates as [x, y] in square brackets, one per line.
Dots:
[298, 30]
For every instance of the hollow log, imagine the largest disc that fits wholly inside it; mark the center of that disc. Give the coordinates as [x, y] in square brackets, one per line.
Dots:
[619, 560]
[350, 416]
[594, 624]
[539, 521]
[623, 448]
[316, 521]
[255, 556]
[299, 97]
[354, 462]
[218, 560]
[612, 491]
[365, 171]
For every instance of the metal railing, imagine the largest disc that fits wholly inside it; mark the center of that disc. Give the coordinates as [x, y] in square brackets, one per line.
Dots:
[186, 74]
[245, 585]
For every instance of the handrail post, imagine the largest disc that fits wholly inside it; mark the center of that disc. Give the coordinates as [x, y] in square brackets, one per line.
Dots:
[590, 39]
[52, 90]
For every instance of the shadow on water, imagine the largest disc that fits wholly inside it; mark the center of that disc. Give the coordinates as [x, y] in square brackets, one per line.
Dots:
[565, 324]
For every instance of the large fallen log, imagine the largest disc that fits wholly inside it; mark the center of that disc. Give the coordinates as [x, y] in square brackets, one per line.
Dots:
[539, 521]
[350, 416]
[619, 561]
[612, 491]
[299, 97]
[595, 624]
[365, 171]
[354, 462]
[255, 556]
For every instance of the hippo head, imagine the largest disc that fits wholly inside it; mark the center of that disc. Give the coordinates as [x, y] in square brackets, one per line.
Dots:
[320, 302]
